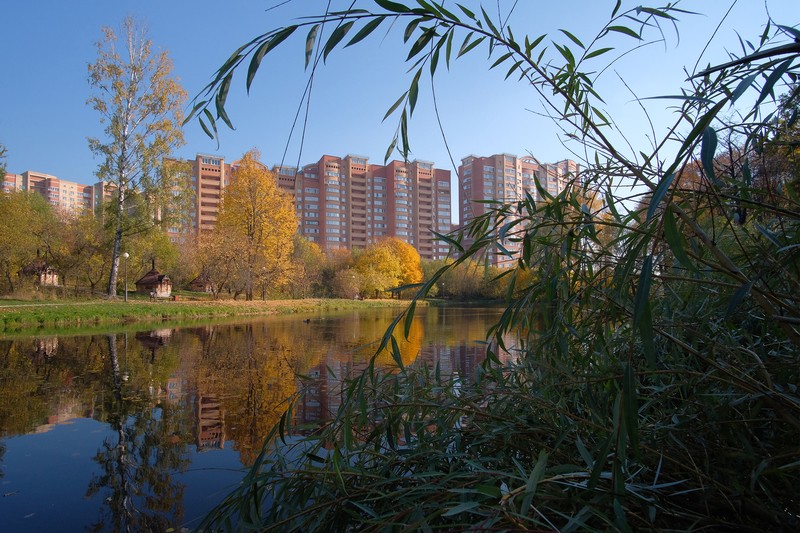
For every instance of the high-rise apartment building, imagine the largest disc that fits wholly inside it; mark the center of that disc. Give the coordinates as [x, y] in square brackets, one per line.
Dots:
[506, 177]
[66, 196]
[12, 183]
[210, 176]
[349, 203]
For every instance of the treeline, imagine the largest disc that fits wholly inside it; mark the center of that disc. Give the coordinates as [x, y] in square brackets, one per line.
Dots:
[78, 249]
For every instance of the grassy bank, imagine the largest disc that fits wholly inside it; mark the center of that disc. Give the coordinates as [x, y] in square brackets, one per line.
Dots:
[17, 317]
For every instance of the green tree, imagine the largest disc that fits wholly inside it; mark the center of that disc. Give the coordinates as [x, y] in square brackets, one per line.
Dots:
[262, 219]
[140, 103]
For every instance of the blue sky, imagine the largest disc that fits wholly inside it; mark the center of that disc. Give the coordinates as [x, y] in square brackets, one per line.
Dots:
[45, 121]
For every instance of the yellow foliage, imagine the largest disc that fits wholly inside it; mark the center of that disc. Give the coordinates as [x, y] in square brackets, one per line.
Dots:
[408, 256]
[257, 211]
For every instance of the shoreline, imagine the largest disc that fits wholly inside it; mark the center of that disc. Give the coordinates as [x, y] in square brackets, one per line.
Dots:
[31, 318]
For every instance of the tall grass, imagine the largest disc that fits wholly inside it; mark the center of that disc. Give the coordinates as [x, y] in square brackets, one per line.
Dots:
[654, 384]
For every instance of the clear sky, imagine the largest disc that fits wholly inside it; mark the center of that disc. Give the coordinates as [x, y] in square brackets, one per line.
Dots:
[44, 120]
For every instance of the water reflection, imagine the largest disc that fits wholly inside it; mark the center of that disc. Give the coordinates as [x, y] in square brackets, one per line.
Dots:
[157, 402]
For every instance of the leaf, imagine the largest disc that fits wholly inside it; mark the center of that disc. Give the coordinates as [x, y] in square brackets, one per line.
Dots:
[393, 6]
[409, 319]
[674, 239]
[573, 38]
[533, 481]
[310, 40]
[656, 12]
[222, 96]
[737, 298]
[598, 52]
[472, 45]
[336, 37]
[642, 319]
[772, 80]
[390, 150]
[707, 151]
[255, 62]
[396, 354]
[467, 12]
[410, 29]
[421, 43]
[658, 195]
[630, 407]
[743, 86]
[194, 110]
[262, 50]
[489, 22]
[413, 92]
[794, 31]
[460, 508]
[395, 105]
[368, 28]
[567, 54]
[624, 30]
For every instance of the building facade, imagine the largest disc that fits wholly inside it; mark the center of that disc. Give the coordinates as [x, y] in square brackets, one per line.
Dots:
[66, 196]
[507, 178]
[346, 202]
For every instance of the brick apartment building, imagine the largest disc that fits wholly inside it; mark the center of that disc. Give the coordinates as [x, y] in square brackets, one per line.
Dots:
[341, 202]
[506, 177]
[346, 202]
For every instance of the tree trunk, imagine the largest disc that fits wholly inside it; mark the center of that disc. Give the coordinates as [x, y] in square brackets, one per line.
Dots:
[10, 281]
[112, 279]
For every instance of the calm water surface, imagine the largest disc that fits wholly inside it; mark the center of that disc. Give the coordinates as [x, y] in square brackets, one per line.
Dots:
[149, 430]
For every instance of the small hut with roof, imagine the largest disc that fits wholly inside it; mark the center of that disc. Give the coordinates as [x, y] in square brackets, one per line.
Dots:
[42, 274]
[155, 284]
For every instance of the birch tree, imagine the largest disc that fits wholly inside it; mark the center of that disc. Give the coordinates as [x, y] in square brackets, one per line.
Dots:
[140, 105]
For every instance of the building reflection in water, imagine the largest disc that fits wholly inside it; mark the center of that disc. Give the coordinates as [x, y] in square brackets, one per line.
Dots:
[217, 388]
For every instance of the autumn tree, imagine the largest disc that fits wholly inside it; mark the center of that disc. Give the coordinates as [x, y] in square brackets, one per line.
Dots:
[380, 269]
[308, 261]
[140, 103]
[262, 220]
[220, 259]
[408, 256]
[27, 219]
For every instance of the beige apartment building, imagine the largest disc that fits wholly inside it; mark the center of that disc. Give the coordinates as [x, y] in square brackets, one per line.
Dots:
[506, 177]
[66, 196]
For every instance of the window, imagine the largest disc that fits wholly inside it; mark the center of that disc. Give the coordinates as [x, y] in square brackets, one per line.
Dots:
[312, 190]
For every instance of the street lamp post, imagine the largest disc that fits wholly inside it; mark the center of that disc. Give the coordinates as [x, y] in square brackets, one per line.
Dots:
[125, 256]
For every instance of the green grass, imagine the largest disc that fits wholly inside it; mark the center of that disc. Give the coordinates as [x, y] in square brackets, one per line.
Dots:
[18, 317]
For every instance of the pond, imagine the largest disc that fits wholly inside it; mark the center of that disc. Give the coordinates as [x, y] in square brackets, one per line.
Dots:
[148, 430]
